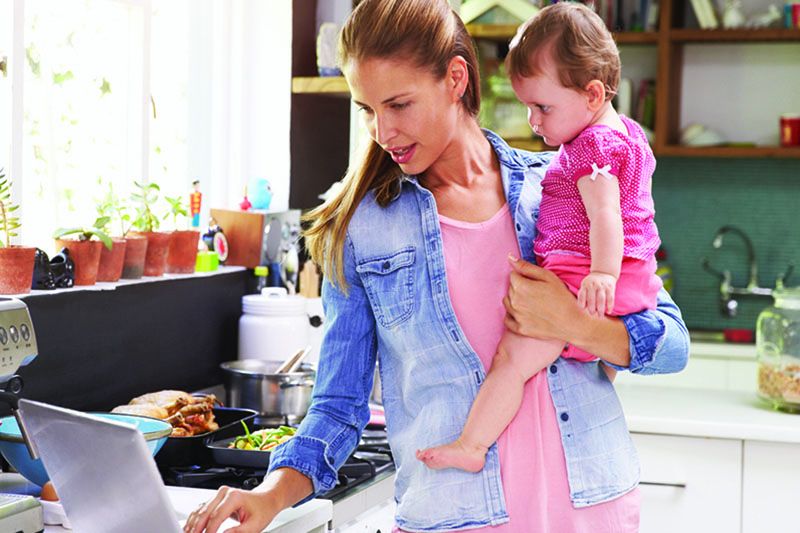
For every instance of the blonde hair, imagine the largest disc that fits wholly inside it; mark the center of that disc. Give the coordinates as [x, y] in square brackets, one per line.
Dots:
[429, 34]
[579, 43]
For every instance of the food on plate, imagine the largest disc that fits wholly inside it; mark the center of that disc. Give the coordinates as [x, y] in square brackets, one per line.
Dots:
[143, 409]
[49, 492]
[263, 439]
[189, 415]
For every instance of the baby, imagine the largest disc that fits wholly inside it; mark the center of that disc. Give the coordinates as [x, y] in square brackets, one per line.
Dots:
[595, 228]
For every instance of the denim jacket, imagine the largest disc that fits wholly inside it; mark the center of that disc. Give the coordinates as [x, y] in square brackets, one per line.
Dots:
[397, 308]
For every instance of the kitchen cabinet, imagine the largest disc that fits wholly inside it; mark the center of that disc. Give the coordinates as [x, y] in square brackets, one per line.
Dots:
[689, 484]
[377, 519]
[771, 483]
[670, 42]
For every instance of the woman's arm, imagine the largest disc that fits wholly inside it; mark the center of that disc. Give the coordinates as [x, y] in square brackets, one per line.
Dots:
[307, 464]
[538, 304]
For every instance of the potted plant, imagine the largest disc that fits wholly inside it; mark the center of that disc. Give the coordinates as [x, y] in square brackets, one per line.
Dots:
[182, 257]
[85, 250]
[16, 262]
[146, 222]
[112, 259]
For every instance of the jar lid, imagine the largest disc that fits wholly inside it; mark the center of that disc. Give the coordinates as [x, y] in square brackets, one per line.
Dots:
[273, 301]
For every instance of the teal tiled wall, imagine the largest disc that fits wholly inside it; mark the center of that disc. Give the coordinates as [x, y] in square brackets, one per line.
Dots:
[694, 197]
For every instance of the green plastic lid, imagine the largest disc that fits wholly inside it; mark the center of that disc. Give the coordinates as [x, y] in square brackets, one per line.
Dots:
[261, 270]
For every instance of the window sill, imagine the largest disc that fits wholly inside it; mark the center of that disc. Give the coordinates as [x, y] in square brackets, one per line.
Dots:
[110, 286]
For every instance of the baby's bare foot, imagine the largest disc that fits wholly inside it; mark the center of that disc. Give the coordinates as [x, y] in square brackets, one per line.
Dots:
[454, 455]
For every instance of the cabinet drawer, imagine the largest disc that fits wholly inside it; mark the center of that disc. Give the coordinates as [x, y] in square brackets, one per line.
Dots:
[771, 486]
[689, 484]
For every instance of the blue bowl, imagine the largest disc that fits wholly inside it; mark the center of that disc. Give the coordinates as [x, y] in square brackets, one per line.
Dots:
[16, 453]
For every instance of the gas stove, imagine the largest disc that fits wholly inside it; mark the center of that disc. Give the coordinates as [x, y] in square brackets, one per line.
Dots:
[371, 459]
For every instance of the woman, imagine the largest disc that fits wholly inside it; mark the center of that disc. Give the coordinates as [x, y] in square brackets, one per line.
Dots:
[415, 253]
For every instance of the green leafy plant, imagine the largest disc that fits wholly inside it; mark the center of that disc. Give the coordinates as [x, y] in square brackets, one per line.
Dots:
[146, 197]
[86, 233]
[176, 209]
[111, 206]
[8, 222]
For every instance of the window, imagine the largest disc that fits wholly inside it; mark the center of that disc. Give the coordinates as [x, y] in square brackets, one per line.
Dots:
[82, 125]
[117, 91]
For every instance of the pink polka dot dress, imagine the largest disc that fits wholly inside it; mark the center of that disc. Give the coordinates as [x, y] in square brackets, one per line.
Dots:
[563, 226]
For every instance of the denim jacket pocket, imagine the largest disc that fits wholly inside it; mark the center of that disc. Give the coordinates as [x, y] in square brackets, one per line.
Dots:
[389, 282]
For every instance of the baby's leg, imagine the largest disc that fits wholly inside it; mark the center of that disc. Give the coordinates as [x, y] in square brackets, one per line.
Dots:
[517, 360]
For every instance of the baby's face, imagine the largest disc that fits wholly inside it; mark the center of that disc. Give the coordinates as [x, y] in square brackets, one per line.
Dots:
[555, 112]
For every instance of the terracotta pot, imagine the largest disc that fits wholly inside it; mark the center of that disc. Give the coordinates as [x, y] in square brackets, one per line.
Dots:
[16, 269]
[135, 252]
[182, 256]
[155, 260]
[86, 255]
[112, 261]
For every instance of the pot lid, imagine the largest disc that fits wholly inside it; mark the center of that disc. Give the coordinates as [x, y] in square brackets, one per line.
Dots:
[273, 301]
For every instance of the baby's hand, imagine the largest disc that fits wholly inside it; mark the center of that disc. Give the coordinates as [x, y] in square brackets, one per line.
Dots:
[596, 294]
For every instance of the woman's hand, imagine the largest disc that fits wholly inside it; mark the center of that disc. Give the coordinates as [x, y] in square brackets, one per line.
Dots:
[253, 510]
[538, 304]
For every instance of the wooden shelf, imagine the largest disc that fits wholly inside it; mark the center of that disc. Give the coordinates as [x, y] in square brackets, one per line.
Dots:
[505, 32]
[743, 35]
[332, 85]
[729, 151]
[636, 37]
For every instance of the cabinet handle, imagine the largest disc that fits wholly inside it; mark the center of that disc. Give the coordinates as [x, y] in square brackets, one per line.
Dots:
[677, 485]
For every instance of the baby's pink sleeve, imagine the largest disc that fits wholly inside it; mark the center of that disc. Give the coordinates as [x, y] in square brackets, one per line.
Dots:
[594, 152]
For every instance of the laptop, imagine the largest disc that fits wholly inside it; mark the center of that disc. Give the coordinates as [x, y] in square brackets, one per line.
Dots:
[102, 471]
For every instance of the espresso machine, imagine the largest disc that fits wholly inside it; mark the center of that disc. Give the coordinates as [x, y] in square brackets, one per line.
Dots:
[17, 349]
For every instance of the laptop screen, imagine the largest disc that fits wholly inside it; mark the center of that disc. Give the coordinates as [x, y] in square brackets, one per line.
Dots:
[102, 471]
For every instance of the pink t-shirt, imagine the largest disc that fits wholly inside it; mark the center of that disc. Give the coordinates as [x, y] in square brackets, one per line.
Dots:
[563, 226]
[532, 464]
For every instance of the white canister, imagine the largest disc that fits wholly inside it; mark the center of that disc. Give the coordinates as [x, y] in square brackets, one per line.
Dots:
[273, 326]
[316, 328]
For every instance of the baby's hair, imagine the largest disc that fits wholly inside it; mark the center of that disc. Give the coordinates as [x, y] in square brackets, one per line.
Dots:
[579, 43]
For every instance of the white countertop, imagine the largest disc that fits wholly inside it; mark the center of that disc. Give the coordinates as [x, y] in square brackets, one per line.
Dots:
[310, 516]
[723, 350]
[703, 413]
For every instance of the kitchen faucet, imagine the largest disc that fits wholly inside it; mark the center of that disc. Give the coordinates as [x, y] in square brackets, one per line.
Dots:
[729, 305]
[752, 283]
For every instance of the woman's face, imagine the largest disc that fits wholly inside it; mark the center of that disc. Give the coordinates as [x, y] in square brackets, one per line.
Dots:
[555, 112]
[406, 110]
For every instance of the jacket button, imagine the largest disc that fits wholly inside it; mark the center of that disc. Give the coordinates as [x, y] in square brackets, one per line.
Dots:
[564, 417]
[385, 265]
[553, 369]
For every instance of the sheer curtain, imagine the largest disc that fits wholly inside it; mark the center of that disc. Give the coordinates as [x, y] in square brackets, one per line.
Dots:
[167, 91]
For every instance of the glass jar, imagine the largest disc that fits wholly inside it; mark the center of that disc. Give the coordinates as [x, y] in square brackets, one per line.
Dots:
[778, 349]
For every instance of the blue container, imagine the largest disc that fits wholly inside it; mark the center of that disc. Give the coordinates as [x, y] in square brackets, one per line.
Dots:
[16, 453]
[259, 193]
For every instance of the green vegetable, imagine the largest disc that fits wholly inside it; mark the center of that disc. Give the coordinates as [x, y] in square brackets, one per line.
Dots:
[263, 439]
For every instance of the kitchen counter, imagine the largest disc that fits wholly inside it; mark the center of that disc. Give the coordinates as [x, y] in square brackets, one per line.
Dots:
[312, 516]
[705, 413]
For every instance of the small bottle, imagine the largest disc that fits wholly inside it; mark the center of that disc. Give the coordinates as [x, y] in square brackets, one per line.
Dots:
[664, 269]
[261, 273]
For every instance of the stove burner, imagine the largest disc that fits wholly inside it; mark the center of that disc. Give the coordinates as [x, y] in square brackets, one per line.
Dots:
[372, 457]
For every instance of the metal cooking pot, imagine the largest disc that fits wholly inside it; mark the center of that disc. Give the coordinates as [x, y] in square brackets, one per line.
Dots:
[252, 383]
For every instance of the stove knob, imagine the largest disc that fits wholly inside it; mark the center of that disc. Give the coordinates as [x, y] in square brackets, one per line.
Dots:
[12, 331]
[3, 336]
[25, 331]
